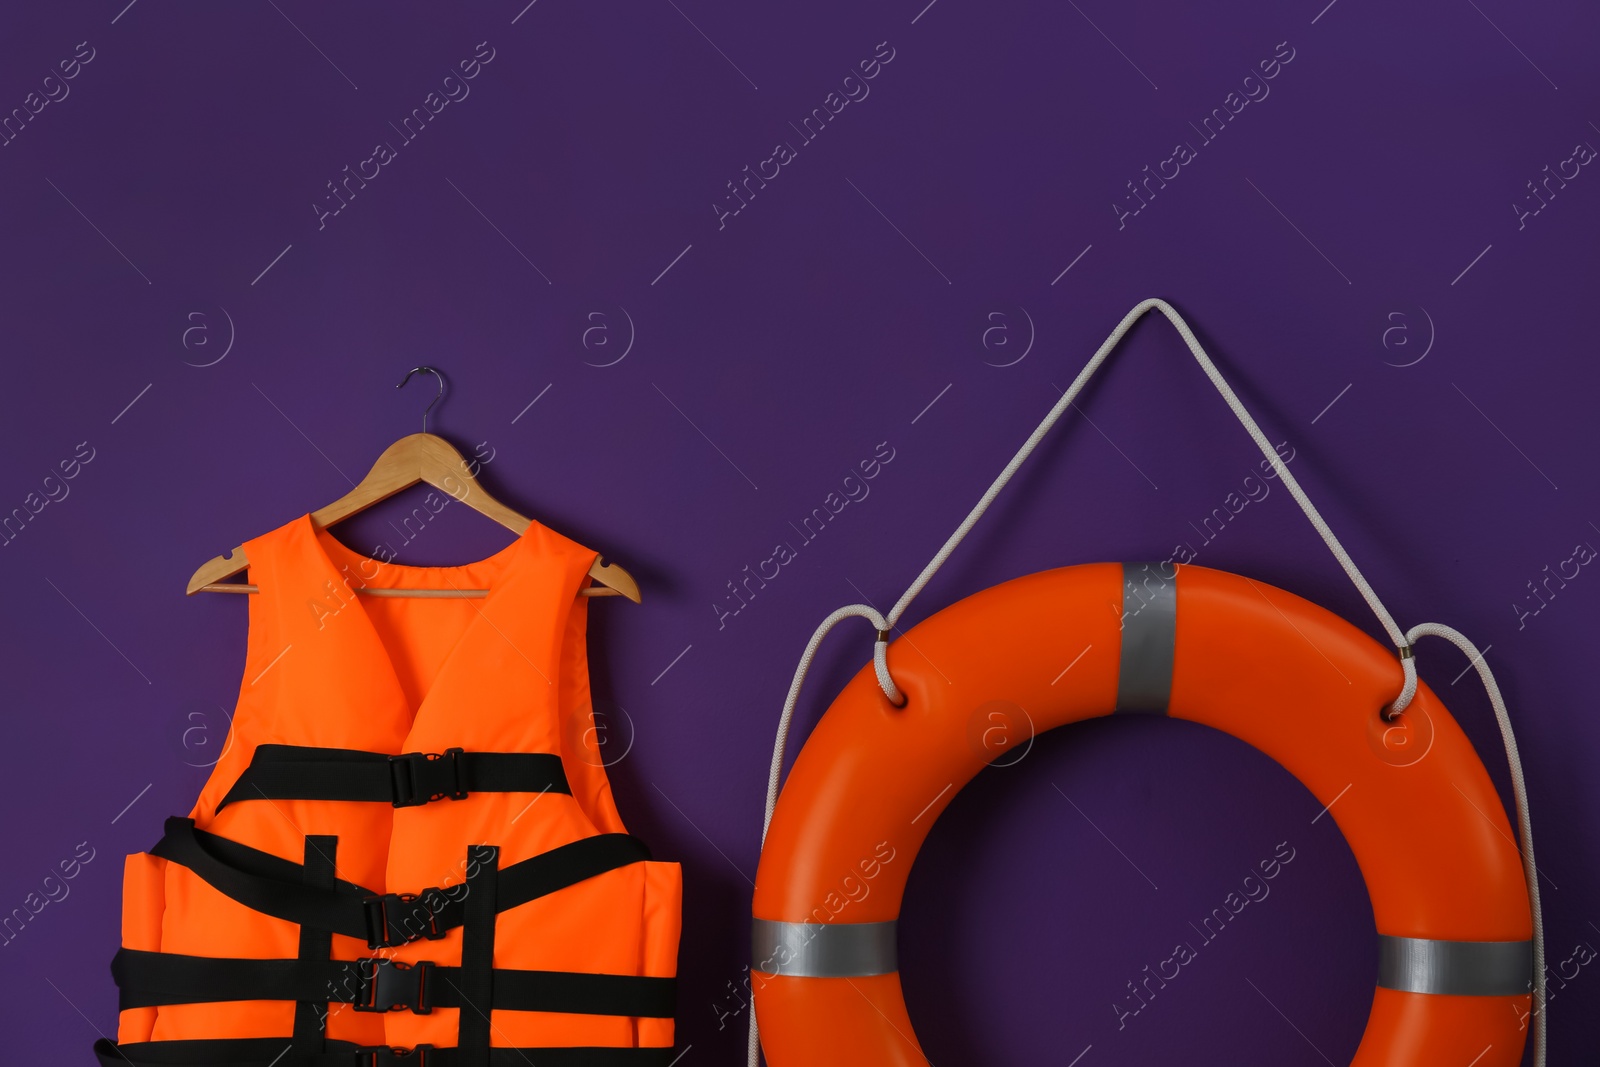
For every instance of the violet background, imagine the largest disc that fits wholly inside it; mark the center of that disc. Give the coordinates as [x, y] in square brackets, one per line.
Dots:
[797, 338]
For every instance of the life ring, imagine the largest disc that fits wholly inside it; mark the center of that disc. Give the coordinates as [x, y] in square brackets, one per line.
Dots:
[1294, 680]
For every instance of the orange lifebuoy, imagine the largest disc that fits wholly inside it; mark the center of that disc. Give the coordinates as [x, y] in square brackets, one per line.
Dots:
[1297, 682]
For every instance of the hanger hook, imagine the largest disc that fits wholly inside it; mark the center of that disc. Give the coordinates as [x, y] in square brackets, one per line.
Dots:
[437, 396]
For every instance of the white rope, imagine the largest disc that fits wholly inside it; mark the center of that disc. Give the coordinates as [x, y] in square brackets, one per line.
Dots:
[1408, 689]
[880, 653]
[1519, 790]
[774, 778]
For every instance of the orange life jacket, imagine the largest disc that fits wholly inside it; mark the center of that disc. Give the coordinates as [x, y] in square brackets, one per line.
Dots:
[408, 853]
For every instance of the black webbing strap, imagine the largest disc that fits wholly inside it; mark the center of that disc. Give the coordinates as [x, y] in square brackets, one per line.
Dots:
[477, 983]
[279, 1052]
[151, 979]
[264, 882]
[292, 772]
[567, 865]
[276, 887]
[310, 1013]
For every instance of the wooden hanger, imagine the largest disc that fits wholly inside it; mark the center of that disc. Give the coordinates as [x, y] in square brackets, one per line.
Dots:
[415, 458]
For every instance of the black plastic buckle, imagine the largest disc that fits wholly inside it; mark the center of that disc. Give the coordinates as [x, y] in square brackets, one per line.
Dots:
[400, 918]
[385, 1055]
[389, 985]
[418, 777]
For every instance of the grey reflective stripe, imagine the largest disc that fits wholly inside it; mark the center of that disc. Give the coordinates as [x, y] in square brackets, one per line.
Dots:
[1455, 968]
[1149, 627]
[823, 950]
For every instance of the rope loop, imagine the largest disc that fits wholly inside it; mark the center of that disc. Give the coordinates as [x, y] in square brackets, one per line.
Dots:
[1519, 792]
[1408, 690]
[880, 666]
[1408, 687]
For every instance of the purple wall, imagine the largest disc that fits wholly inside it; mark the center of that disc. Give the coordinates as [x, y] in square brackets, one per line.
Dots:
[1358, 246]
